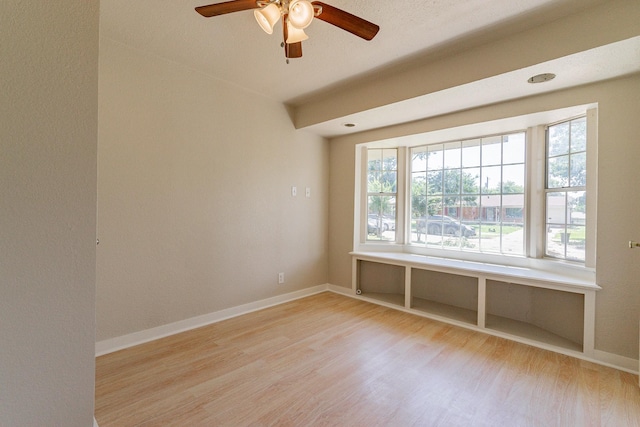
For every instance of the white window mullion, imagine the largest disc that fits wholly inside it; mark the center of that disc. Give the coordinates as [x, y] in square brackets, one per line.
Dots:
[535, 192]
[592, 187]
[401, 203]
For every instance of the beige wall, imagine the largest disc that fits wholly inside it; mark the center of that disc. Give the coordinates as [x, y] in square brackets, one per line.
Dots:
[48, 144]
[195, 212]
[618, 268]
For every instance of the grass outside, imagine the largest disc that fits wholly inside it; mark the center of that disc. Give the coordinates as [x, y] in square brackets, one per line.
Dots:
[576, 235]
[487, 230]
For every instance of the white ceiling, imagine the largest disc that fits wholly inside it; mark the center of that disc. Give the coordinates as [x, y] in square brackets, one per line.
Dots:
[233, 48]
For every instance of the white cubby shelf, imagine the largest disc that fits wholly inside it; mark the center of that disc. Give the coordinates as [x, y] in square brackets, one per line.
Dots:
[545, 309]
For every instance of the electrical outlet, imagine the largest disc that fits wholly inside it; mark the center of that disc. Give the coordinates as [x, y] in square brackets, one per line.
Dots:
[280, 278]
[307, 192]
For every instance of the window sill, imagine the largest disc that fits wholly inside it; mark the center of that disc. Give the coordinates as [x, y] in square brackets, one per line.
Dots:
[569, 279]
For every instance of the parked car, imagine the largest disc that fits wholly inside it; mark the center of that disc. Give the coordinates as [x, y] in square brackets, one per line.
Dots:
[383, 222]
[373, 226]
[440, 224]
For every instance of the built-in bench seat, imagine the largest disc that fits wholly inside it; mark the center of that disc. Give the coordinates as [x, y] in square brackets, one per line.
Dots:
[547, 309]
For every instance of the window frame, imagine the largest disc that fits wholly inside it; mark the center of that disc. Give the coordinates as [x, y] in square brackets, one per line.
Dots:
[534, 209]
[564, 189]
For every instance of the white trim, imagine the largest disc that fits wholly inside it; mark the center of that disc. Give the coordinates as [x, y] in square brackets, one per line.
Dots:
[615, 361]
[95, 423]
[592, 187]
[340, 290]
[530, 276]
[141, 337]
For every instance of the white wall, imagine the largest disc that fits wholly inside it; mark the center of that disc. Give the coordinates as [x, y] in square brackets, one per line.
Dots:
[195, 212]
[617, 269]
[48, 144]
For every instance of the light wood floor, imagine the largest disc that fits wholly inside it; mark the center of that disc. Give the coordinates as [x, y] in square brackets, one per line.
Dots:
[330, 360]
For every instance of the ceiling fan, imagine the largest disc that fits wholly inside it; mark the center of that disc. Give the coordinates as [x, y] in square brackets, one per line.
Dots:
[296, 16]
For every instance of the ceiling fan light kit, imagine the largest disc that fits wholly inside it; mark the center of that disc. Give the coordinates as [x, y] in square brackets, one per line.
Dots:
[294, 34]
[301, 14]
[267, 17]
[297, 15]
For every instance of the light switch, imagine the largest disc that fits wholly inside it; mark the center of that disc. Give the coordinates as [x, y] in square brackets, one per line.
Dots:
[307, 192]
[294, 191]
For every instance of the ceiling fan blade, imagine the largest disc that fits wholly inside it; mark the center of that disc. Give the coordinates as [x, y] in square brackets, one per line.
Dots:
[226, 7]
[291, 50]
[348, 22]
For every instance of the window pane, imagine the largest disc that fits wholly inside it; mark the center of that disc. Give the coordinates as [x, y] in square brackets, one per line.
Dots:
[435, 157]
[513, 179]
[382, 171]
[452, 181]
[558, 172]
[491, 179]
[490, 236]
[418, 228]
[513, 148]
[390, 160]
[471, 181]
[452, 207]
[418, 184]
[513, 239]
[434, 205]
[389, 182]
[491, 151]
[556, 208]
[419, 159]
[559, 139]
[434, 183]
[374, 184]
[452, 153]
[374, 160]
[578, 170]
[577, 207]
[575, 240]
[470, 208]
[381, 218]
[513, 206]
[471, 153]
[579, 134]
[555, 242]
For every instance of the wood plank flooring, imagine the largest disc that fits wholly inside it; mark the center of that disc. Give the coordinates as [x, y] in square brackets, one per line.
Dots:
[330, 360]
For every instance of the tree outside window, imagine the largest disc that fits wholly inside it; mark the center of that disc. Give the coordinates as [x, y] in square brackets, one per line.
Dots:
[382, 187]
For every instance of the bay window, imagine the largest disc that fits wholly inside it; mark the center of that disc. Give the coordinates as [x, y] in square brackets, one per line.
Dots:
[519, 193]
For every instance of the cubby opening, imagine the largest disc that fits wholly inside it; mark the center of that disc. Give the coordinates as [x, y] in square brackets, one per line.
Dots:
[383, 282]
[445, 294]
[547, 315]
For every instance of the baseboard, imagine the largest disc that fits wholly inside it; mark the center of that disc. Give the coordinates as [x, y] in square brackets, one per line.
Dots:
[623, 363]
[340, 290]
[119, 343]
